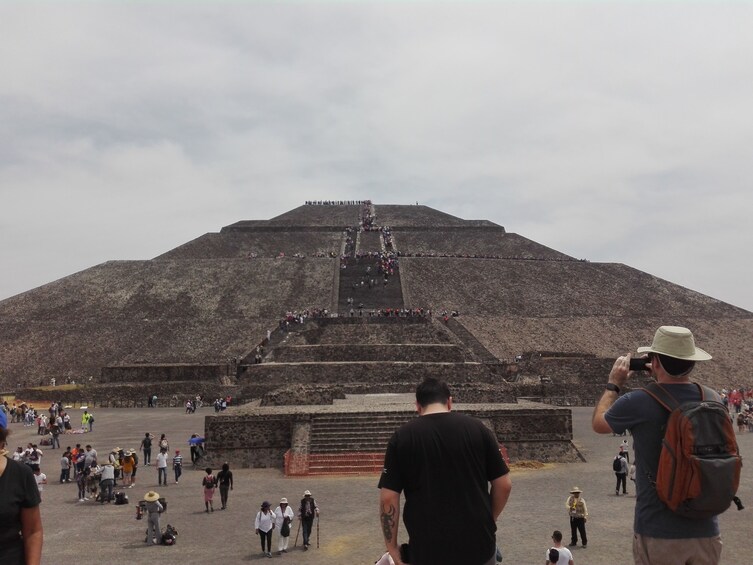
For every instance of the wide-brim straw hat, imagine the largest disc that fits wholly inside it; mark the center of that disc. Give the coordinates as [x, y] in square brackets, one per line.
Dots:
[115, 450]
[151, 496]
[575, 490]
[677, 342]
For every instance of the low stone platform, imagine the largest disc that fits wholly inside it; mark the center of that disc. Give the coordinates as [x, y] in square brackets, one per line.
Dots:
[263, 436]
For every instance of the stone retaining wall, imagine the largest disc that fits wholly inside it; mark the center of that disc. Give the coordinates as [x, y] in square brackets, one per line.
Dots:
[372, 372]
[447, 353]
[164, 373]
[260, 437]
[134, 395]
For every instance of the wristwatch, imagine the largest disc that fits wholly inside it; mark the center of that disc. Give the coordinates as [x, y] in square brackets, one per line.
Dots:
[613, 387]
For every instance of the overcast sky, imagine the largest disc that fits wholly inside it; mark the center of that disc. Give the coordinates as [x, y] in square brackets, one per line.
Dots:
[618, 132]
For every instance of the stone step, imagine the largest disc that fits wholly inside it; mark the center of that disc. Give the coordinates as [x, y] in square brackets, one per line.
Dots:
[356, 351]
[336, 428]
[347, 463]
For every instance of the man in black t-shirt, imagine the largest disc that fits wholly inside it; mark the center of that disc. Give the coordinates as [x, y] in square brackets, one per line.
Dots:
[444, 462]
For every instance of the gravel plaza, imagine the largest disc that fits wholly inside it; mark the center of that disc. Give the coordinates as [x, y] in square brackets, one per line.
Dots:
[349, 533]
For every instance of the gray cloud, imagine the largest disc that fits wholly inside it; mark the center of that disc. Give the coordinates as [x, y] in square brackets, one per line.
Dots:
[613, 132]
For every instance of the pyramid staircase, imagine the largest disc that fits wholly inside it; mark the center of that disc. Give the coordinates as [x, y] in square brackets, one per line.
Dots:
[355, 350]
[352, 443]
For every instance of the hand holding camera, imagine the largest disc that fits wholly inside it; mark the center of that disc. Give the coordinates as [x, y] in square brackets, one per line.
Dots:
[639, 364]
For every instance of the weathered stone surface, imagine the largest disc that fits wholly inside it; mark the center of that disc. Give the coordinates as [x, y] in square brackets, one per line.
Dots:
[527, 431]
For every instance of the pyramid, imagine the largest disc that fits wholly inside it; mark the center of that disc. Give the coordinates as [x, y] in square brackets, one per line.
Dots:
[213, 300]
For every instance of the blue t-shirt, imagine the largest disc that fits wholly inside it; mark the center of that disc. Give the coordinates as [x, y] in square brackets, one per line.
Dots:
[646, 419]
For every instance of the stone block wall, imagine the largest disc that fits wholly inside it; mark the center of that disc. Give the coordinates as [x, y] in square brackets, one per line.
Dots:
[259, 442]
[134, 395]
[371, 372]
[302, 395]
[164, 373]
[260, 437]
[446, 353]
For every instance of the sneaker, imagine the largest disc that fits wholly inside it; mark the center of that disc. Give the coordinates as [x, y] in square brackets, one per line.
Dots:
[81, 500]
[572, 545]
[585, 545]
[176, 482]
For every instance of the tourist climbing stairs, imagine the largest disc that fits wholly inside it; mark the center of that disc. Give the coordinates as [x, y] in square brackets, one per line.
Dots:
[362, 282]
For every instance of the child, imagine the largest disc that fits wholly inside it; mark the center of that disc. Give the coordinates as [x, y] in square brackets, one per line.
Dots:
[40, 477]
[209, 483]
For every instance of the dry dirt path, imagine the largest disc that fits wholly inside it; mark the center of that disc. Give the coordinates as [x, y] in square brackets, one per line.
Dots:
[89, 533]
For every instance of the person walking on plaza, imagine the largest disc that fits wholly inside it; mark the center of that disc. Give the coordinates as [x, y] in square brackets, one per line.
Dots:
[264, 524]
[209, 485]
[660, 535]
[564, 556]
[283, 519]
[225, 482]
[146, 447]
[177, 465]
[162, 467]
[620, 466]
[307, 511]
[445, 463]
[578, 512]
[153, 511]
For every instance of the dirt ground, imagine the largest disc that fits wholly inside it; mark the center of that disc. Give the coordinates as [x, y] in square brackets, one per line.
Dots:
[349, 533]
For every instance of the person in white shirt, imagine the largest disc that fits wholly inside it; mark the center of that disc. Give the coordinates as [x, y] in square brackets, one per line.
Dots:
[564, 556]
[162, 467]
[40, 477]
[283, 519]
[264, 524]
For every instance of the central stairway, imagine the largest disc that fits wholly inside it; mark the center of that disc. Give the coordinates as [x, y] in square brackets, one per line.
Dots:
[351, 444]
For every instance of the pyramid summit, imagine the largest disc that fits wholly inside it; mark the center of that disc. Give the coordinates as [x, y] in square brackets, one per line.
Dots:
[211, 301]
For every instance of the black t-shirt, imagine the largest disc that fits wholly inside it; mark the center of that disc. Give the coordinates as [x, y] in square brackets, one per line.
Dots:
[444, 463]
[18, 489]
[224, 478]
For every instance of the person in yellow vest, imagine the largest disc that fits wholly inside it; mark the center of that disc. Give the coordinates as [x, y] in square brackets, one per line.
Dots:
[576, 508]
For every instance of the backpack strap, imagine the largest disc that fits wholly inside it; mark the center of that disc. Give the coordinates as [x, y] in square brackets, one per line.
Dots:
[663, 397]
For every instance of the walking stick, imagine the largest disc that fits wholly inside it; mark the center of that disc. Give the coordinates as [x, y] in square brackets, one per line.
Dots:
[296, 533]
[317, 532]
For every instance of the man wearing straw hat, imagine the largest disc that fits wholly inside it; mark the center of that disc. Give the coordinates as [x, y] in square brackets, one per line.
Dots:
[578, 512]
[153, 509]
[661, 535]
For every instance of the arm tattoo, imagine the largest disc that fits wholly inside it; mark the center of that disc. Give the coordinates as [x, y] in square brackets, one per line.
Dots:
[388, 522]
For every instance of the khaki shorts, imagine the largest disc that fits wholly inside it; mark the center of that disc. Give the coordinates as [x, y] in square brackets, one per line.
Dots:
[689, 551]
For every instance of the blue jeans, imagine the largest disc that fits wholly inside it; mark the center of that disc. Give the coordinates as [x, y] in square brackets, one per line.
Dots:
[162, 475]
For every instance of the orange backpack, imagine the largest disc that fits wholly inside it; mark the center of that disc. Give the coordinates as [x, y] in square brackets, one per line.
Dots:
[699, 464]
